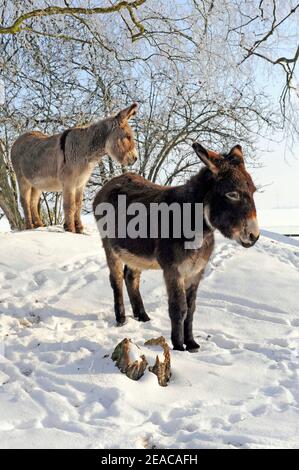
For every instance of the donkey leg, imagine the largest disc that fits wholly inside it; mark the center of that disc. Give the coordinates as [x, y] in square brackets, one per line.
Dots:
[25, 196]
[34, 205]
[78, 199]
[132, 279]
[177, 305]
[116, 280]
[69, 207]
[191, 291]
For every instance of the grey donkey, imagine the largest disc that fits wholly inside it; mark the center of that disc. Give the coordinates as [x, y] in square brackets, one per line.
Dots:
[64, 162]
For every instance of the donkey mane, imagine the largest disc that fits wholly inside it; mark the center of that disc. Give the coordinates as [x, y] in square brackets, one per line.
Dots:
[85, 142]
[63, 141]
[199, 184]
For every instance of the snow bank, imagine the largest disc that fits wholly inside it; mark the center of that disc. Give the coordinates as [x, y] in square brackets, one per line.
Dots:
[59, 387]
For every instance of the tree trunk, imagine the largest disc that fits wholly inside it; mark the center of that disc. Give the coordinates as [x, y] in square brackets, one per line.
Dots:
[8, 198]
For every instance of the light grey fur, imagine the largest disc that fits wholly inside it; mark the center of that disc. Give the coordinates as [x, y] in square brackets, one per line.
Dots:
[41, 164]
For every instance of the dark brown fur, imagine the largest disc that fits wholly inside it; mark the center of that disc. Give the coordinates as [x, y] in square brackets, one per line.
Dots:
[183, 269]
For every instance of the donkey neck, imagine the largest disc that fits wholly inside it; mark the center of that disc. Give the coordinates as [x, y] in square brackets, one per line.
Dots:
[199, 185]
[97, 138]
[193, 190]
[98, 135]
[88, 144]
[197, 189]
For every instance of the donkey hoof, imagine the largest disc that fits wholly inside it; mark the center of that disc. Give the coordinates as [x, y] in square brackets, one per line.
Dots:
[178, 347]
[192, 346]
[193, 350]
[121, 322]
[69, 228]
[38, 225]
[79, 229]
[143, 318]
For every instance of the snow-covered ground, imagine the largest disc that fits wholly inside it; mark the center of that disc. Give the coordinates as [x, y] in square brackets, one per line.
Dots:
[280, 220]
[59, 387]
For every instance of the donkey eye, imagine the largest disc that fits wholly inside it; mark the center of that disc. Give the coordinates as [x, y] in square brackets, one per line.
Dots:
[233, 196]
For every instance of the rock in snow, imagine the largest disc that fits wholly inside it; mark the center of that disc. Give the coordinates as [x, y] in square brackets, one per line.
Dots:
[131, 361]
[162, 366]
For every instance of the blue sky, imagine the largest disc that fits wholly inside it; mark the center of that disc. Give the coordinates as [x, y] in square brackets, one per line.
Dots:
[279, 175]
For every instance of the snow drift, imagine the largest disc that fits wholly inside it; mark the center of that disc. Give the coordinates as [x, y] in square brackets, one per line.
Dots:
[60, 388]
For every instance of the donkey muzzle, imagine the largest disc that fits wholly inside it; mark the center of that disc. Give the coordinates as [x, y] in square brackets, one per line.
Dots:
[251, 233]
[132, 157]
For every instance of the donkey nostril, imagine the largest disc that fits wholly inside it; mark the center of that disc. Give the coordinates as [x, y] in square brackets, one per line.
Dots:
[253, 238]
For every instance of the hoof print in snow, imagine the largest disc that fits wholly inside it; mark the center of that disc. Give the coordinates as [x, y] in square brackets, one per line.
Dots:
[161, 367]
[129, 360]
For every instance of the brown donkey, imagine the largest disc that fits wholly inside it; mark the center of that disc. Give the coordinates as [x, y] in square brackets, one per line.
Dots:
[225, 190]
[65, 161]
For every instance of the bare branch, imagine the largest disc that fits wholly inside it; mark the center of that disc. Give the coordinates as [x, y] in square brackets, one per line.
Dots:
[56, 10]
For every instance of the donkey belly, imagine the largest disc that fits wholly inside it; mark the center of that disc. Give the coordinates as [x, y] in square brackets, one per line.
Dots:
[138, 262]
[37, 157]
[46, 184]
[136, 253]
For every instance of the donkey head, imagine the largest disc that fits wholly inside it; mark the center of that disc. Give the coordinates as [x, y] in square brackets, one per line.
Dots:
[229, 205]
[120, 143]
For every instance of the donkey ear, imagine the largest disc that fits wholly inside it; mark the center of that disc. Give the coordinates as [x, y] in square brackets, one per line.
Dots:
[127, 113]
[211, 159]
[237, 153]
